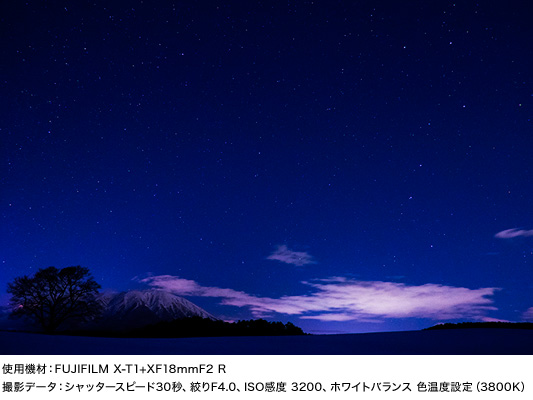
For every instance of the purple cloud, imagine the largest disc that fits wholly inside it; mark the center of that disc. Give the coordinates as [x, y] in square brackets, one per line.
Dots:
[512, 233]
[489, 319]
[298, 258]
[528, 315]
[342, 299]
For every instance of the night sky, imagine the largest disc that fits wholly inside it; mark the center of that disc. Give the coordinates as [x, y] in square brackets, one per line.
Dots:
[347, 166]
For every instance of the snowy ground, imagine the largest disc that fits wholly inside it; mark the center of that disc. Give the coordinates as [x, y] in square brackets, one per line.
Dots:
[460, 341]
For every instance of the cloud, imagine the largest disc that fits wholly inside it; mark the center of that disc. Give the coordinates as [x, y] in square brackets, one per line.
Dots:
[489, 319]
[343, 299]
[512, 233]
[298, 258]
[341, 317]
[187, 287]
[528, 315]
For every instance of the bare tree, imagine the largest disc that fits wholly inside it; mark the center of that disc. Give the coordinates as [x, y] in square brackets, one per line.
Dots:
[54, 296]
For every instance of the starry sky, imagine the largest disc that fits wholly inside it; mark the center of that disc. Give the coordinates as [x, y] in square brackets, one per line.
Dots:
[349, 166]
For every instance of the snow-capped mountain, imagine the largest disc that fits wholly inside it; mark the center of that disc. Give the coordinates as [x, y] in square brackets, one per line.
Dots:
[138, 308]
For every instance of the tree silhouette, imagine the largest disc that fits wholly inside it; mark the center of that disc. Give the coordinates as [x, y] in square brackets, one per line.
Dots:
[54, 296]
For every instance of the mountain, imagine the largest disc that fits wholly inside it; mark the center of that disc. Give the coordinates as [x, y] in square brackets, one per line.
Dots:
[8, 323]
[136, 308]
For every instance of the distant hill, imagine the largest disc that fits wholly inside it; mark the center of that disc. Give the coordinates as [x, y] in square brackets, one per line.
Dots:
[479, 325]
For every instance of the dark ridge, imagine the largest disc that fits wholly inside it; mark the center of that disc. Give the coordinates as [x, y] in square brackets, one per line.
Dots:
[199, 327]
[485, 325]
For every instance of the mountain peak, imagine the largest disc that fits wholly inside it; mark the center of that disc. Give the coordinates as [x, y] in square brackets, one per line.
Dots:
[136, 308]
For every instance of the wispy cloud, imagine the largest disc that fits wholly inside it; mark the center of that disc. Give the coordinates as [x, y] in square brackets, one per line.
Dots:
[489, 319]
[298, 258]
[528, 315]
[512, 233]
[343, 299]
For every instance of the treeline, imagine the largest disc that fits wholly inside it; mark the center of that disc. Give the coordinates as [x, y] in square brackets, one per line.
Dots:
[200, 327]
[204, 327]
[475, 325]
